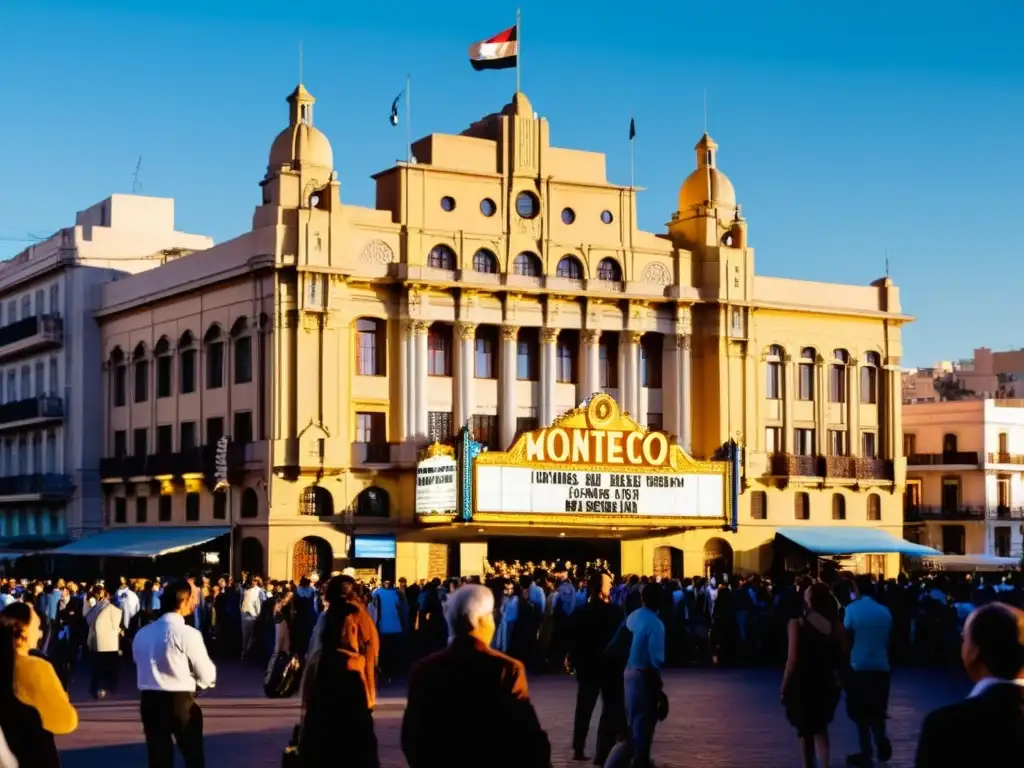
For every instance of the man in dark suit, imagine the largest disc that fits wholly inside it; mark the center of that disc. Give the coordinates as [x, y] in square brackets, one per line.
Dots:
[468, 705]
[987, 728]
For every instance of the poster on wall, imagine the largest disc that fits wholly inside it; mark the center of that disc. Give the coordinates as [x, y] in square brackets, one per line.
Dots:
[437, 487]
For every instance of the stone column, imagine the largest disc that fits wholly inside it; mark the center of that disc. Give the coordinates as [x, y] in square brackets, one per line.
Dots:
[684, 384]
[853, 407]
[893, 413]
[405, 372]
[465, 372]
[420, 382]
[821, 405]
[789, 381]
[548, 339]
[631, 347]
[507, 377]
[590, 382]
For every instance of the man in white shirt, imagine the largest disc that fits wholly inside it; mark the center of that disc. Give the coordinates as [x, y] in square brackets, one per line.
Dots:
[252, 604]
[171, 663]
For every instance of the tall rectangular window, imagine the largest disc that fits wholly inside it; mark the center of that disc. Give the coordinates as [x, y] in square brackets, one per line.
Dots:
[527, 355]
[141, 508]
[608, 362]
[54, 299]
[805, 387]
[165, 507]
[838, 442]
[120, 442]
[220, 506]
[773, 380]
[141, 381]
[650, 361]
[242, 432]
[486, 348]
[54, 377]
[869, 385]
[163, 376]
[215, 365]
[120, 384]
[370, 428]
[214, 429]
[120, 509]
[439, 351]
[773, 439]
[370, 346]
[868, 445]
[439, 426]
[191, 507]
[187, 440]
[565, 361]
[243, 360]
[165, 439]
[837, 383]
[40, 382]
[188, 371]
[909, 444]
[804, 442]
[485, 431]
[140, 441]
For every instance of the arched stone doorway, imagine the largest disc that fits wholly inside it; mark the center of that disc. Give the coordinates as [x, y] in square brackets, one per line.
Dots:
[251, 556]
[717, 557]
[668, 563]
[311, 555]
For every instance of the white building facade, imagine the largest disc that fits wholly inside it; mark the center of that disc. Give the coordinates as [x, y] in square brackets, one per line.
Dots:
[965, 476]
[50, 363]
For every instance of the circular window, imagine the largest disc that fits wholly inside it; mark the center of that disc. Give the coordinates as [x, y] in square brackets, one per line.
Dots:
[447, 203]
[527, 205]
[606, 217]
[487, 207]
[568, 215]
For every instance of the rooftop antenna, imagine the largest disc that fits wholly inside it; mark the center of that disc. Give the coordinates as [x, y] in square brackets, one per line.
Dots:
[300, 62]
[136, 181]
[886, 262]
[705, 109]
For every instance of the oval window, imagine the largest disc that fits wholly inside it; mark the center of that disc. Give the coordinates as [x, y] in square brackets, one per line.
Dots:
[487, 207]
[568, 215]
[527, 205]
[606, 217]
[447, 203]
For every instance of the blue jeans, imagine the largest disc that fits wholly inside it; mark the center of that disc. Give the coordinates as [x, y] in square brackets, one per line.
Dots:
[641, 716]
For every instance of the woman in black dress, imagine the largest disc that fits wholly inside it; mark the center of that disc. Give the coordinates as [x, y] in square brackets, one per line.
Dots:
[811, 685]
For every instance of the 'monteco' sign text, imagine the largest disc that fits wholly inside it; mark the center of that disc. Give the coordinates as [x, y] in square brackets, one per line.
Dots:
[589, 446]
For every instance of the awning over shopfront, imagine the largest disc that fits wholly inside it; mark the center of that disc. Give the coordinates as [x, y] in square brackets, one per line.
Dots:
[828, 540]
[139, 542]
[970, 563]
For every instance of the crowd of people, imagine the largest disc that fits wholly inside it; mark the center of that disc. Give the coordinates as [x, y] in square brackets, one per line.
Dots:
[477, 639]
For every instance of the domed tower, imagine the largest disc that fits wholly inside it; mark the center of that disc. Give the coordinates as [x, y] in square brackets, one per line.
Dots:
[709, 223]
[301, 163]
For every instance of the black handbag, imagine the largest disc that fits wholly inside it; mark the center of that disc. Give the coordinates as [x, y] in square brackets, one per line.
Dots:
[282, 677]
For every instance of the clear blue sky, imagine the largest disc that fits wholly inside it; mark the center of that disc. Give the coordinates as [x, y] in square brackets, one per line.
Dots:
[846, 131]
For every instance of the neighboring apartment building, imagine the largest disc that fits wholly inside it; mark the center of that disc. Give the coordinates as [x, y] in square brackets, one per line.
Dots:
[987, 374]
[499, 281]
[51, 358]
[965, 475]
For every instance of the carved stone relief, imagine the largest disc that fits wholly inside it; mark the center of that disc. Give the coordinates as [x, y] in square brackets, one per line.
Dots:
[658, 273]
[377, 252]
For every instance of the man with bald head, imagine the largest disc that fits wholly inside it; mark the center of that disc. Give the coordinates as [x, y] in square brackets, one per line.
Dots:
[987, 728]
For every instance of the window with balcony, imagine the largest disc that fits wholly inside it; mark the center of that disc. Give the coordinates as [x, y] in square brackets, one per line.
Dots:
[804, 439]
[570, 268]
[439, 426]
[37, 454]
[241, 341]
[26, 306]
[165, 506]
[527, 264]
[950, 495]
[773, 440]
[874, 507]
[191, 507]
[869, 378]
[608, 361]
[371, 428]
[120, 509]
[371, 346]
[40, 302]
[758, 505]
[140, 441]
[26, 381]
[141, 508]
[650, 360]
[187, 439]
[12, 386]
[55, 299]
[486, 262]
[439, 350]
[40, 379]
[565, 359]
[838, 506]
[486, 347]
[773, 372]
[214, 429]
[485, 431]
[165, 439]
[54, 378]
[801, 506]
[187, 363]
[214, 357]
[837, 443]
[528, 355]
[1004, 442]
[120, 443]
[51, 452]
[609, 269]
[441, 257]
[869, 445]
[1001, 540]
[242, 431]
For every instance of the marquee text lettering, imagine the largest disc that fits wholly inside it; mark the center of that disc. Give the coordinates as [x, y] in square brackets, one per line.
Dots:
[589, 446]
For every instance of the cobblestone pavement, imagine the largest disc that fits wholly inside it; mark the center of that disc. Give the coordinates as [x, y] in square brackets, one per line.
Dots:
[719, 719]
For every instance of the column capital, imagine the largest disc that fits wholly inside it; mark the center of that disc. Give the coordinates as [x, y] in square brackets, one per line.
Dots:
[407, 325]
[420, 327]
[549, 335]
[590, 336]
[633, 337]
[466, 330]
[509, 332]
[682, 341]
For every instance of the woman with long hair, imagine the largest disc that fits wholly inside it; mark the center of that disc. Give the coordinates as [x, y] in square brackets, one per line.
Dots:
[337, 724]
[33, 704]
[810, 684]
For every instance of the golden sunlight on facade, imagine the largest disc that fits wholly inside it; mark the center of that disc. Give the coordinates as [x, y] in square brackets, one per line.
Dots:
[499, 281]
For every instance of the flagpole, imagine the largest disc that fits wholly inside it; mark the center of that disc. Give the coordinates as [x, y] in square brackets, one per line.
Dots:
[408, 118]
[632, 152]
[519, 47]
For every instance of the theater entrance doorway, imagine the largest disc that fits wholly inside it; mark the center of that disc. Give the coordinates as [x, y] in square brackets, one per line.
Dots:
[578, 551]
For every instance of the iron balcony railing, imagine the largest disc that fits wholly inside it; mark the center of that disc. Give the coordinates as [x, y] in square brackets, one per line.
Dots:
[846, 467]
[959, 512]
[50, 485]
[944, 459]
[42, 407]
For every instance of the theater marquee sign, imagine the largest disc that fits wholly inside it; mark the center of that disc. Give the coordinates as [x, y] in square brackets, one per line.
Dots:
[597, 465]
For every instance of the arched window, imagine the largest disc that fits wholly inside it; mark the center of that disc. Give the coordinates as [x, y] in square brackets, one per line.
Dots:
[869, 378]
[162, 353]
[371, 346]
[187, 362]
[805, 378]
[141, 366]
[486, 262]
[439, 350]
[609, 269]
[373, 502]
[316, 501]
[441, 257]
[837, 376]
[118, 375]
[242, 345]
[802, 506]
[874, 507]
[569, 267]
[527, 264]
[838, 506]
[250, 504]
[214, 342]
[773, 372]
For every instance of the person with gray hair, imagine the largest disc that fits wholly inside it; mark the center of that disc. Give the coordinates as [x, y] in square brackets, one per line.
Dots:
[487, 688]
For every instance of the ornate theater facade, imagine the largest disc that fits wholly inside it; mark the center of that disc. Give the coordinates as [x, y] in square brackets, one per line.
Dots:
[645, 394]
